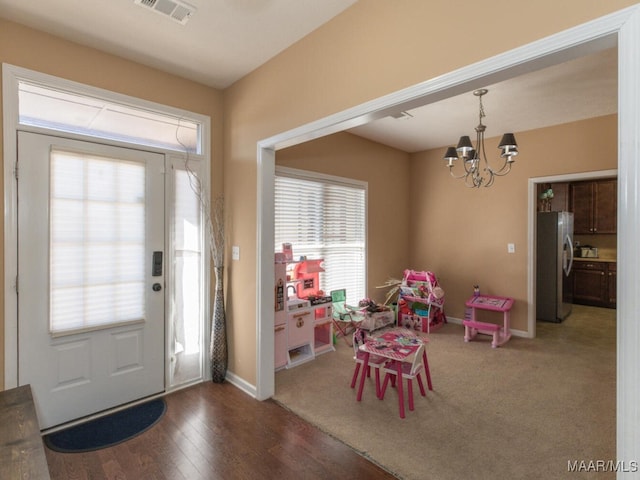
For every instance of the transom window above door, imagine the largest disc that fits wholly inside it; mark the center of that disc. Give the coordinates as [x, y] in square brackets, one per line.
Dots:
[65, 111]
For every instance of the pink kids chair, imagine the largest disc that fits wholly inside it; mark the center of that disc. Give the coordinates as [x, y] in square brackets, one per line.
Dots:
[375, 361]
[410, 371]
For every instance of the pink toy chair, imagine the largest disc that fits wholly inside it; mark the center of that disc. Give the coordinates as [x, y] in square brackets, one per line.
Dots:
[409, 372]
[375, 361]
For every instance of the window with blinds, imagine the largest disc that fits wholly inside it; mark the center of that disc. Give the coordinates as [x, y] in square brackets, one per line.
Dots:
[97, 241]
[324, 217]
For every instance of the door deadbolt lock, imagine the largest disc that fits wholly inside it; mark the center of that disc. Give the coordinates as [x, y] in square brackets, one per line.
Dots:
[156, 287]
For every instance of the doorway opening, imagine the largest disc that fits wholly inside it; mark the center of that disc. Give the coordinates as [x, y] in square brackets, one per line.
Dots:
[621, 29]
[534, 200]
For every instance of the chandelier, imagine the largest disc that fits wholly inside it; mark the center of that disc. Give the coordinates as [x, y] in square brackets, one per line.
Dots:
[477, 171]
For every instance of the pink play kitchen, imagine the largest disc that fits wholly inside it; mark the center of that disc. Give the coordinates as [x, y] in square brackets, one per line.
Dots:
[303, 314]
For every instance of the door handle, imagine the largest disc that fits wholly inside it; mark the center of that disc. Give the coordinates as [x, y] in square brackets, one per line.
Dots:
[156, 287]
[567, 270]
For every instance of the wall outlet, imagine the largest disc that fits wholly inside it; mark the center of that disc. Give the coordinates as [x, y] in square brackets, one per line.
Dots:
[235, 252]
[511, 247]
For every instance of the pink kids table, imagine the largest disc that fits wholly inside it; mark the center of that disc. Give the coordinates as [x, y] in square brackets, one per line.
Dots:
[394, 344]
[501, 335]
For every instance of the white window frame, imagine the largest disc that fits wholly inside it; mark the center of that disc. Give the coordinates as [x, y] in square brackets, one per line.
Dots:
[340, 181]
[11, 76]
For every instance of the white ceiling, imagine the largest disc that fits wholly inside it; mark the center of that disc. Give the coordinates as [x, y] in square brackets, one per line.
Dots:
[576, 90]
[226, 39]
[222, 41]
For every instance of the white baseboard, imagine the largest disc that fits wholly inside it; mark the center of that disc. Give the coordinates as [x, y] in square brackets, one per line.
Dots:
[242, 384]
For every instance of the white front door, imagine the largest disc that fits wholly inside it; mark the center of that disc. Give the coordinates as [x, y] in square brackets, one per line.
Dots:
[91, 275]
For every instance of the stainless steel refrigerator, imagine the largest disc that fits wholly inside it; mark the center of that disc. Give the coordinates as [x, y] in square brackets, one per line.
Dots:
[554, 253]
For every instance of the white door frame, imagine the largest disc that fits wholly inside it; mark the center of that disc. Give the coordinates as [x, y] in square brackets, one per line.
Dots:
[11, 75]
[622, 29]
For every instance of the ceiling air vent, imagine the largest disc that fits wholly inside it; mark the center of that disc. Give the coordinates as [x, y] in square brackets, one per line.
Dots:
[176, 10]
[398, 116]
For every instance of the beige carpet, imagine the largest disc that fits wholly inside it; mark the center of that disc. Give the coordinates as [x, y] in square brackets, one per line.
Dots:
[522, 411]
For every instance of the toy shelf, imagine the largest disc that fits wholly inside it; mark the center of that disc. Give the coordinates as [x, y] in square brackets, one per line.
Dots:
[299, 355]
[421, 302]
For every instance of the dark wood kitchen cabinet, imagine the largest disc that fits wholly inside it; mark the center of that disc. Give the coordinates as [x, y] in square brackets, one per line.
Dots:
[594, 283]
[595, 206]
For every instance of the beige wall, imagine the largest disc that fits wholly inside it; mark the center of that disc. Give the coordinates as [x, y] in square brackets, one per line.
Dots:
[462, 233]
[386, 171]
[35, 50]
[372, 49]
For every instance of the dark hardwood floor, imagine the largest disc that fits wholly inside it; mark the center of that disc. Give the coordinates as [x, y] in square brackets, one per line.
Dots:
[216, 431]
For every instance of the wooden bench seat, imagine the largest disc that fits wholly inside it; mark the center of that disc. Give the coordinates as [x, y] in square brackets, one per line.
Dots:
[21, 448]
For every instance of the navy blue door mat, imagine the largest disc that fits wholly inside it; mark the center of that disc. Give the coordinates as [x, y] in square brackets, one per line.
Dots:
[108, 430]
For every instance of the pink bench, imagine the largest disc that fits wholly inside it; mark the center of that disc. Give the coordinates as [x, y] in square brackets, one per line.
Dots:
[501, 334]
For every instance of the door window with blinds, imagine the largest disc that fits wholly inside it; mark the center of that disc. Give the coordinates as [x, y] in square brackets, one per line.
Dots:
[324, 217]
[96, 240]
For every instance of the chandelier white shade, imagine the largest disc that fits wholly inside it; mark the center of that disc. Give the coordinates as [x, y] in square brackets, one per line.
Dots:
[477, 170]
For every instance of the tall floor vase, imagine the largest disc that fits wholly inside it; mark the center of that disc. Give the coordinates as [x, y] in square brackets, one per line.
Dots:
[218, 351]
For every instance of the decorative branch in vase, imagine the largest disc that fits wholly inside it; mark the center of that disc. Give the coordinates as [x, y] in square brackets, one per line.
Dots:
[218, 354]
[213, 215]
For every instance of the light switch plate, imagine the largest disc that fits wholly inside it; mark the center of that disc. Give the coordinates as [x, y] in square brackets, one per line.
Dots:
[235, 252]
[511, 247]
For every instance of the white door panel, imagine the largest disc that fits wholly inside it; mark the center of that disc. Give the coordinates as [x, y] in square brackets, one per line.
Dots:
[90, 367]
